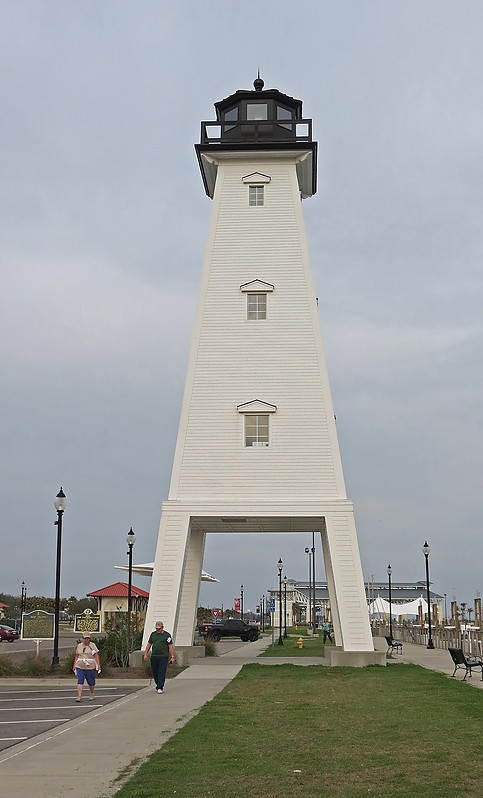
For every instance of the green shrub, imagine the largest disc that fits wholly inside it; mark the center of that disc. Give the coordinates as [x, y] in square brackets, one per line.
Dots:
[115, 647]
[210, 648]
[66, 664]
[7, 667]
[33, 666]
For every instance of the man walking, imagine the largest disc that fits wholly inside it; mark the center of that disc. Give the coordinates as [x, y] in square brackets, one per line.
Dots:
[162, 647]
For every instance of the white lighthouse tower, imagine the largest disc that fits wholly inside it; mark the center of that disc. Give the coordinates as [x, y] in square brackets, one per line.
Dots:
[257, 447]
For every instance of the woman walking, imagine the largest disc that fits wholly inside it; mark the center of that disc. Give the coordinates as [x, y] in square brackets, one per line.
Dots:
[86, 664]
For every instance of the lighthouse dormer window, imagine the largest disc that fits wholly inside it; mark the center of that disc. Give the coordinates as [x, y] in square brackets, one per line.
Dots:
[256, 196]
[256, 422]
[256, 291]
[256, 307]
[256, 430]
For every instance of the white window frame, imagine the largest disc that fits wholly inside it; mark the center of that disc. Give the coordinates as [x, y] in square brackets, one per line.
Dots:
[257, 306]
[256, 288]
[256, 424]
[256, 182]
[256, 196]
[257, 431]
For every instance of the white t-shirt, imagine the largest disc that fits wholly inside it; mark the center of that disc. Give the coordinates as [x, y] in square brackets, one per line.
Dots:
[85, 656]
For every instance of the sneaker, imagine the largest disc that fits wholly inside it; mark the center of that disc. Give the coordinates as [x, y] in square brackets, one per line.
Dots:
[159, 690]
[91, 698]
[77, 701]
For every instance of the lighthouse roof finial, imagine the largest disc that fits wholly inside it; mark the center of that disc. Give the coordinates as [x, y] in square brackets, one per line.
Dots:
[258, 82]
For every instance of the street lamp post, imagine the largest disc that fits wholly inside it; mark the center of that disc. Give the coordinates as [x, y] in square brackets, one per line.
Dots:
[426, 551]
[280, 566]
[130, 540]
[241, 602]
[389, 572]
[23, 604]
[285, 580]
[60, 504]
[308, 619]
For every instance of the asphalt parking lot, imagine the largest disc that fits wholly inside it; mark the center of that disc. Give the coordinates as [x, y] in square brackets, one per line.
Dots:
[26, 711]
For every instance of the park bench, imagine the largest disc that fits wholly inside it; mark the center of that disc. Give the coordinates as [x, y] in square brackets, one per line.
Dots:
[393, 645]
[460, 660]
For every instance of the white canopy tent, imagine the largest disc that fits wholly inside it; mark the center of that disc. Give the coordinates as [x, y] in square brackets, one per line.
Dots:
[381, 607]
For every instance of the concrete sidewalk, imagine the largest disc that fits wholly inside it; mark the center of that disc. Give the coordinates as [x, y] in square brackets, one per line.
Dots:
[87, 756]
[436, 659]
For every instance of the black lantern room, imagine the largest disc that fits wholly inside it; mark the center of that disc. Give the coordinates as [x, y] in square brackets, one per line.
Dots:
[257, 121]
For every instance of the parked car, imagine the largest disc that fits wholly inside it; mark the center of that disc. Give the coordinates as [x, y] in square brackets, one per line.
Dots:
[8, 634]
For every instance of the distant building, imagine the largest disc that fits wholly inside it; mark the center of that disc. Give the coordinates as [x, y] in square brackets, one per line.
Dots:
[299, 592]
[112, 602]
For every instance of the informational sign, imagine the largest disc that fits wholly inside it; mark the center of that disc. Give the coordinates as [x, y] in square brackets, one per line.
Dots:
[37, 625]
[216, 613]
[272, 605]
[87, 622]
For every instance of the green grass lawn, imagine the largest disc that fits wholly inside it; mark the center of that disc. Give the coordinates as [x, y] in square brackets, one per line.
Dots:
[311, 647]
[317, 732]
[300, 631]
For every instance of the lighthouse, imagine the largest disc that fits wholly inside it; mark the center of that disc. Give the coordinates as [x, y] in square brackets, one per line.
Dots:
[257, 447]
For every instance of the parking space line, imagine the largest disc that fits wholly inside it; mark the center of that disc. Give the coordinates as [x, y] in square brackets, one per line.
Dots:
[89, 705]
[53, 690]
[45, 720]
[86, 717]
[7, 739]
[45, 698]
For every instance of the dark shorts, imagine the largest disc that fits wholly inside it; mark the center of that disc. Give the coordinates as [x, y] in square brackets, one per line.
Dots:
[88, 676]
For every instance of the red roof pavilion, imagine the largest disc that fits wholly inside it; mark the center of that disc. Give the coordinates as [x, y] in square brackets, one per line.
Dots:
[118, 589]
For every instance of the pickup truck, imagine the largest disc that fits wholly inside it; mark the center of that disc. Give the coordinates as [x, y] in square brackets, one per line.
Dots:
[229, 628]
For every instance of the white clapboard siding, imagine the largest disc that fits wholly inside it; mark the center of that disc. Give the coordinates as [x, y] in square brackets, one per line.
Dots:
[279, 361]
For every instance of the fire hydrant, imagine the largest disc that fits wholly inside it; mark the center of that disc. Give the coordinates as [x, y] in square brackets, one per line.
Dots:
[300, 643]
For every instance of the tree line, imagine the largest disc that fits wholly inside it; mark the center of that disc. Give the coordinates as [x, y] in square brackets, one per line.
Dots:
[71, 605]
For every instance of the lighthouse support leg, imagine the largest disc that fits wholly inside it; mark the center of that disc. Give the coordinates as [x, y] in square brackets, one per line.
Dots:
[176, 578]
[347, 594]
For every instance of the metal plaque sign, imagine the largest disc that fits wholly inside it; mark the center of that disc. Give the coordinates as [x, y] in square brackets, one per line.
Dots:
[37, 625]
[87, 622]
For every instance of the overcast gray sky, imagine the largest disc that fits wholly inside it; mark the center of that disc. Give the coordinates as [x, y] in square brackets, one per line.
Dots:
[102, 231]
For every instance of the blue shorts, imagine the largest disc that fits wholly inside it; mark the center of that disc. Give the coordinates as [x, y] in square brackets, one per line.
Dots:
[88, 676]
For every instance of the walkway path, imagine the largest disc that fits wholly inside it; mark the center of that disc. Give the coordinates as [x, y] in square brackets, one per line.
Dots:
[86, 756]
[436, 659]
